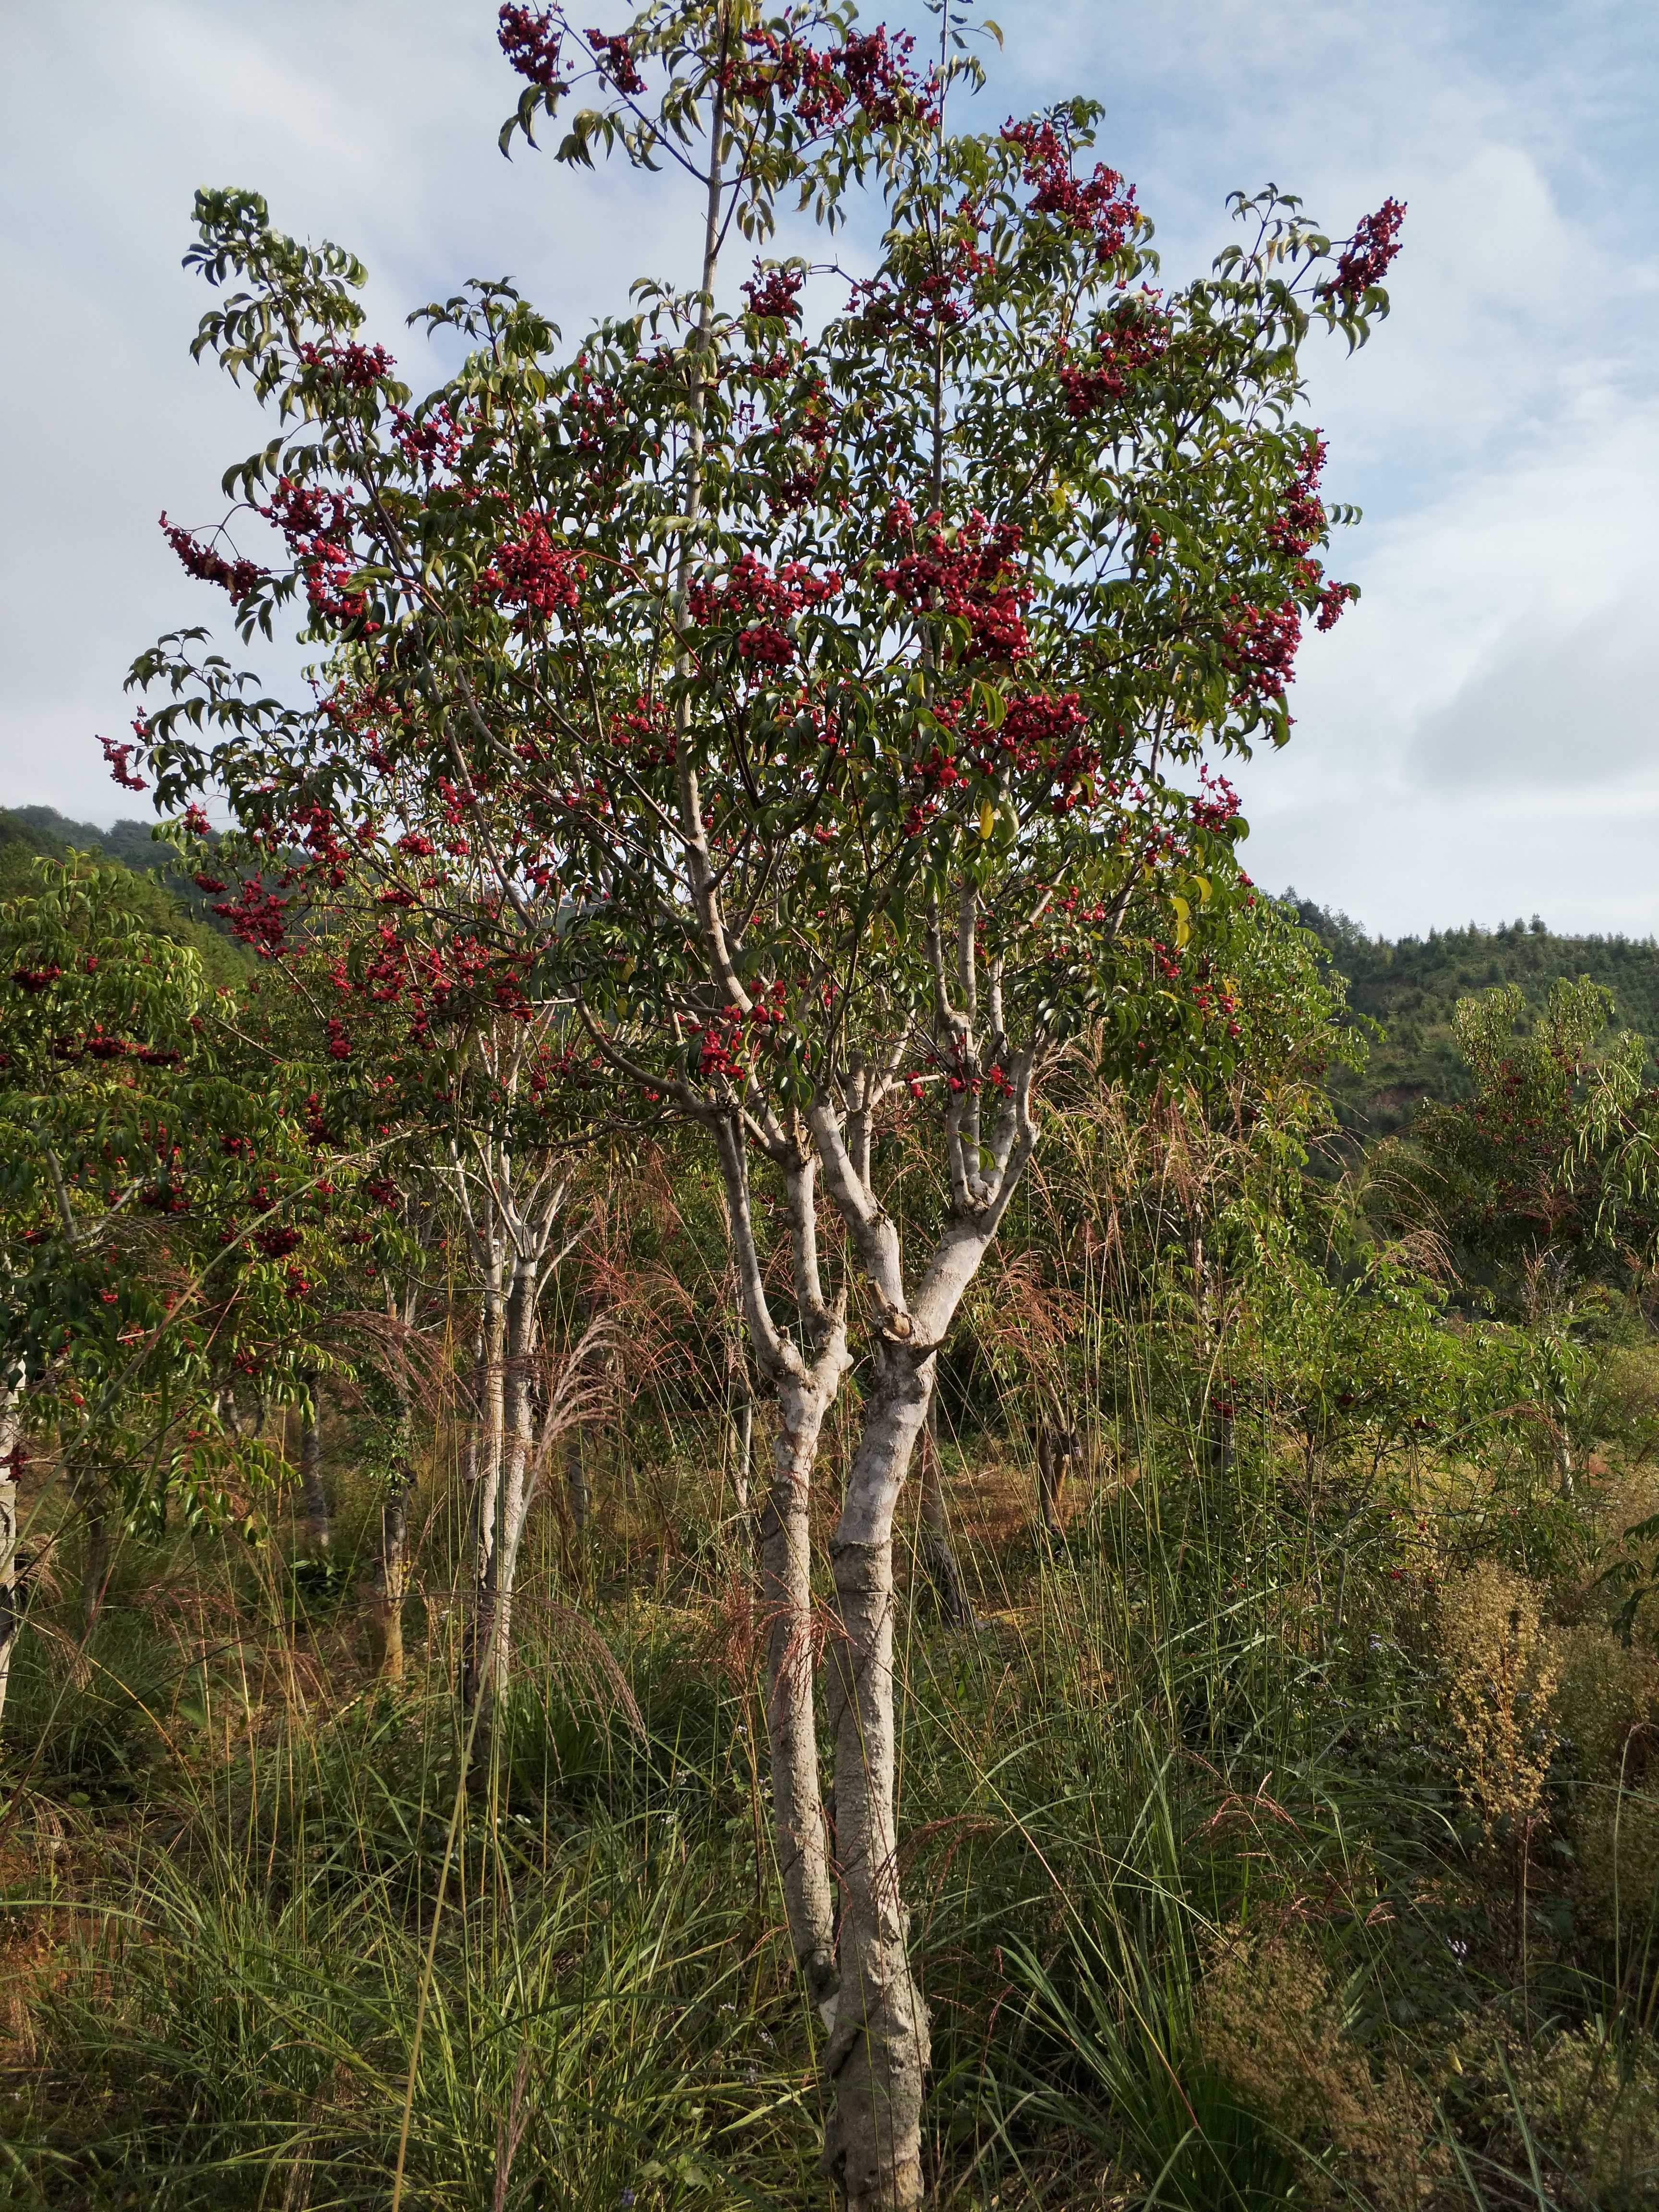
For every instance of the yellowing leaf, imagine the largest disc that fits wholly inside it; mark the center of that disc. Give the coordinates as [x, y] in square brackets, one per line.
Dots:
[1184, 918]
[988, 819]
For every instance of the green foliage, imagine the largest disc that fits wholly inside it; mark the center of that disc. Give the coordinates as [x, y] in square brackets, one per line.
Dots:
[170, 1213]
[173, 905]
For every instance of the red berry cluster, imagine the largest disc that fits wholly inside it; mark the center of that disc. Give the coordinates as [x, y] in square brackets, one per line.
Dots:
[615, 61]
[238, 578]
[258, 918]
[1259, 650]
[1134, 339]
[972, 580]
[752, 596]
[533, 574]
[530, 38]
[1217, 803]
[119, 758]
[1368, 254]
[318, 527]
[871, 74]
[1103, 210]
[774, 293]
[433, 442]
[359, 368]
[1301, 524]
[35, 980]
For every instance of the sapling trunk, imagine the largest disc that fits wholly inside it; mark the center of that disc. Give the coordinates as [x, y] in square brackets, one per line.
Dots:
[313, 1497]
[485, 1452]
[578, 1490]
[1056, 1448]
[391, 1573]
[743, 1447]
[97, 1559]
[11, 1440]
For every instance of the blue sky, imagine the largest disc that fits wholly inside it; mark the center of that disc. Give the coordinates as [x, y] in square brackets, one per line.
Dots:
[1479, 738]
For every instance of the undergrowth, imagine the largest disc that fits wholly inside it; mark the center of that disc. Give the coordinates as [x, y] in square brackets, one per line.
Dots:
[1229, 1891]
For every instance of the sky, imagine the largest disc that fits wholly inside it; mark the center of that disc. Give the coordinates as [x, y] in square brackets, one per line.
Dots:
[1478, 739]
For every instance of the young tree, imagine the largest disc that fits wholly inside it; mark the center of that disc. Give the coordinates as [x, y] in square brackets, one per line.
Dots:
[1544, 1175]
[820, 716]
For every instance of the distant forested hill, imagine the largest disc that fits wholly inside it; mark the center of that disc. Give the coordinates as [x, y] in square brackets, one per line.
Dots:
[1411, 987]
[173, 904]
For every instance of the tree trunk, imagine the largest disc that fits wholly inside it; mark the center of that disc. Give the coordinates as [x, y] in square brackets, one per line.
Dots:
[97, 1562]
[313, 1498]
[785, 1580]
[939, 1558]
[391, 1573]
[11, 1440]
[493, 1624]
[484, 1454]
[743, 1440]
[877, 2055]
[1056, 1447]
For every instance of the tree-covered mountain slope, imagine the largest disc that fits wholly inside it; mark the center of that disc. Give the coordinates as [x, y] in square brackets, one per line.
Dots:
[1409, 989]
[172, 905]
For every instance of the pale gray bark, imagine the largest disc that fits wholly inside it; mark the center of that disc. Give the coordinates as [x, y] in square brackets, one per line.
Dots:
[877, 2057]
[743, 1446]
[785, 1584]
[391, 1573]
[484, 1456]
[493, 1623]
[802, 1384]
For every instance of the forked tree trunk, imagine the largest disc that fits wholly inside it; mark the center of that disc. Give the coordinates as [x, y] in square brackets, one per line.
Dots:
[803, 1387]
[939, 1558]
[313, 1498]
[493, 1622]
[876, 2060]
[785, 1583]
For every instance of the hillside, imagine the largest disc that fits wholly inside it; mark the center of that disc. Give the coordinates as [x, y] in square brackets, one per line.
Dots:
[1410, 989]
[174, 908]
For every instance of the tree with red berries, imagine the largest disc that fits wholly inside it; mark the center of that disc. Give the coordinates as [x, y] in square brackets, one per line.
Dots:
[821, 719]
